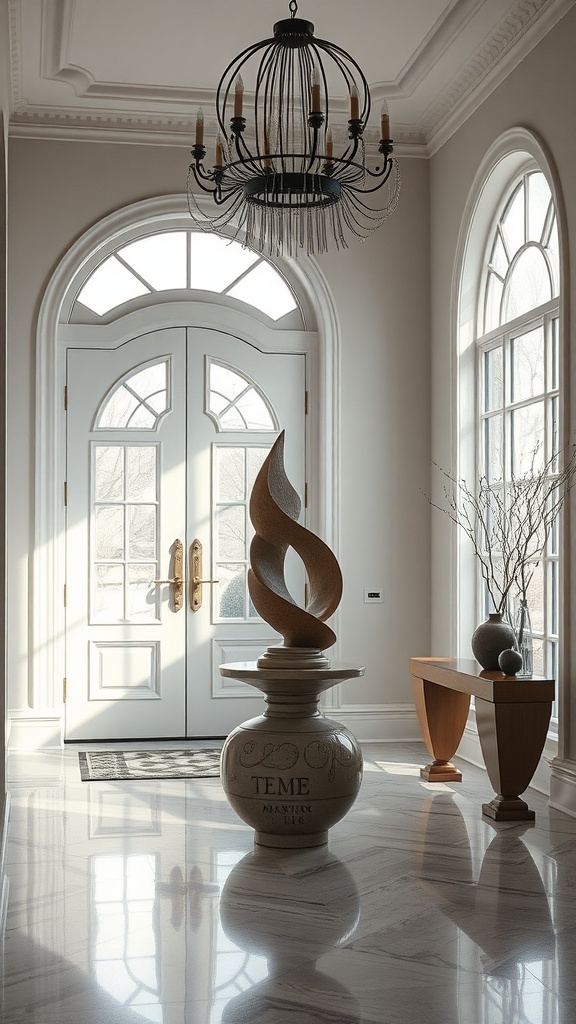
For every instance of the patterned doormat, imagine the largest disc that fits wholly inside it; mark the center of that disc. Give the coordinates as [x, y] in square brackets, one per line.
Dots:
[120, 765]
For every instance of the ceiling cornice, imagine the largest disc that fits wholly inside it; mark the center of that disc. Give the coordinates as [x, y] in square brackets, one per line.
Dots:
[517, 34]
[136, 118]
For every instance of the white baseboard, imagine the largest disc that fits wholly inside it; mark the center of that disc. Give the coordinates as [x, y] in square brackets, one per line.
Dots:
[33, 731]
[563, 786]
[4, 880]
[384, 723]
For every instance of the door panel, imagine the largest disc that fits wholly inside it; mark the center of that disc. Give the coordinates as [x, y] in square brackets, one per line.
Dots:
[125, 653]
[164, 437]
[227, 628]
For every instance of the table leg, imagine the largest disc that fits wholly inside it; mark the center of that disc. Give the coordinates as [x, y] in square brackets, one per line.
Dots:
[442, 715]
[512, 738]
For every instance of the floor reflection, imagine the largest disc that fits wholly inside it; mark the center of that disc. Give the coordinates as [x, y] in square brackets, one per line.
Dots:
[148, 903]
[503, 915]
[262, 910]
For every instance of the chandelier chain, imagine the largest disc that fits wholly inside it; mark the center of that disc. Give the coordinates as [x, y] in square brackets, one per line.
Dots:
[293, 7]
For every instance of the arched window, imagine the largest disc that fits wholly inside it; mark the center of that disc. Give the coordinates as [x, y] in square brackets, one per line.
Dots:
[517, 372]
[182, 261]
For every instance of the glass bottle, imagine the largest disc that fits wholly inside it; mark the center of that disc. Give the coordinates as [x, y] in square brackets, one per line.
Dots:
[523, 630]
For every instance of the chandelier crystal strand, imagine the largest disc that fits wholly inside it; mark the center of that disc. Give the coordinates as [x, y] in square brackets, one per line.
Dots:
[280, 182]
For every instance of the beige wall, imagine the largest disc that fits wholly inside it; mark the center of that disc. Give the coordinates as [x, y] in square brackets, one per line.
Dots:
[538, 95]
[381, 296]
[4, 116]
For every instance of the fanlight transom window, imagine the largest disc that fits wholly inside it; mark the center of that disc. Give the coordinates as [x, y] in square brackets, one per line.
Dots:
[138, 401]
[234, 401]
[523, 263]
[186, 260]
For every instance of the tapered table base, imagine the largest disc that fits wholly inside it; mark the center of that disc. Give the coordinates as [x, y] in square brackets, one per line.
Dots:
[512, 716]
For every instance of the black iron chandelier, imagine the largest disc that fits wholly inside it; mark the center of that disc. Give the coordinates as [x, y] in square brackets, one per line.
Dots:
[283, 182]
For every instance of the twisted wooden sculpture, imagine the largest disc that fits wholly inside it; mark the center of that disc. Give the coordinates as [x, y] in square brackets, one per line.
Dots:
[274, 510]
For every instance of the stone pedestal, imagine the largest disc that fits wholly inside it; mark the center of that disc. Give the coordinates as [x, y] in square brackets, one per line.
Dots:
[291, 773]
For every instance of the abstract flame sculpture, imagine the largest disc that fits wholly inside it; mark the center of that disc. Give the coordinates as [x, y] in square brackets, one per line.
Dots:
[292, 772]
[274, 511]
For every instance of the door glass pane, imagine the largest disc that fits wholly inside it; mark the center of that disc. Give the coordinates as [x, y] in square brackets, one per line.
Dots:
[231, 592]
[141, 473]
[142, 595]
[109, 523]
[226, 382]
[109, 463]
[235, 402]
[232, 420]
[254, 411]
[138, 401]
[231, 532]
[118, 409]
[527, 365]
[141, 531]
[109, 593]
[255, 457]
[230, 474]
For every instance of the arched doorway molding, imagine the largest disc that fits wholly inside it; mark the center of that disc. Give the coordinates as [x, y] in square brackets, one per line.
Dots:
[515, 152]
[45, 699]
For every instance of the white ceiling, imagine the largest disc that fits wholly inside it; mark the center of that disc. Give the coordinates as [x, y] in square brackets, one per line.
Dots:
[138, 69]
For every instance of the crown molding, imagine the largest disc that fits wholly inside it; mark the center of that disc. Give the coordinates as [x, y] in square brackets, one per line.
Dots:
[102, 127]
[517, 34]
[431, 50]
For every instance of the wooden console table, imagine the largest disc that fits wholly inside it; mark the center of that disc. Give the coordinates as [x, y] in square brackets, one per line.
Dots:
[512, 716]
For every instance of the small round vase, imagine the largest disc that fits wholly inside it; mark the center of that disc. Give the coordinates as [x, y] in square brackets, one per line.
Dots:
[490, 638]
[510, 661]
[291, 773]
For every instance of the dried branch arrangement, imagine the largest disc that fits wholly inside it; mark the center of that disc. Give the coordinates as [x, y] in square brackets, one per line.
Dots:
[509, 522]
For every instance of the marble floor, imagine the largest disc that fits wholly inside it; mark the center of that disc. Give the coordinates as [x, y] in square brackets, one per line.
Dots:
[148, 902]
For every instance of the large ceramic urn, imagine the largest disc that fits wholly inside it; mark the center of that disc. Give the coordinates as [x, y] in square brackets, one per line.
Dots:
[291, 773]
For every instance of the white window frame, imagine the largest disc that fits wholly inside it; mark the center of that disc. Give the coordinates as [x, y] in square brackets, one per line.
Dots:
[546, 316]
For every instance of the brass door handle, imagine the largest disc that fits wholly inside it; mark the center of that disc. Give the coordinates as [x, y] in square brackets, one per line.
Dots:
[177, 581]
[196, 575]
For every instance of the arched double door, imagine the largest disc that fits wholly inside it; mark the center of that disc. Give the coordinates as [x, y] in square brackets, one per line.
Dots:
[165, 432]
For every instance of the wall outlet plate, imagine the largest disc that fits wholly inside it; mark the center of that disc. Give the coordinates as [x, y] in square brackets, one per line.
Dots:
[373, 595]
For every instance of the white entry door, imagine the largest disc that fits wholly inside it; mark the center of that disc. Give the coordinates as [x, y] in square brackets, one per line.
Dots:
[165, 434]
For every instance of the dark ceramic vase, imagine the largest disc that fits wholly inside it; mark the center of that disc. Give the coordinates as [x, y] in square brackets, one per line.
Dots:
[490, 638]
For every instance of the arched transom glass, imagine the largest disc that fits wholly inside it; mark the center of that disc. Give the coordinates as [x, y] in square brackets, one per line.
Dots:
[186, 260]
[522, 270]
[138, 401]
[234, 401]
